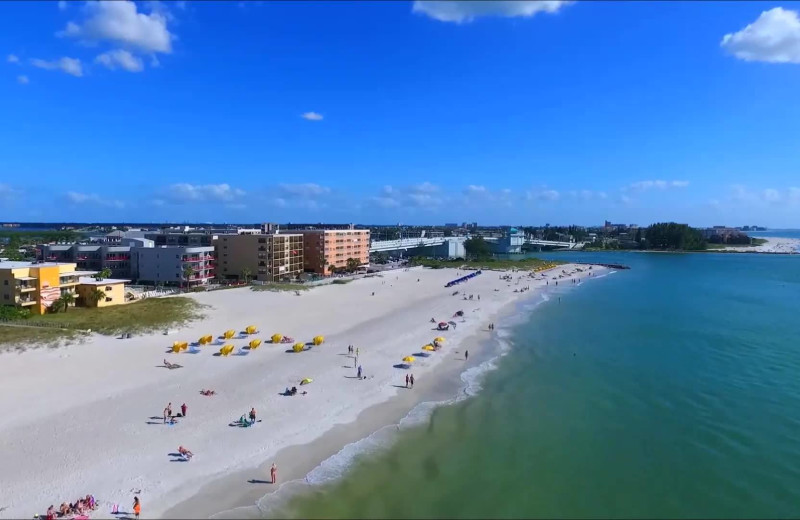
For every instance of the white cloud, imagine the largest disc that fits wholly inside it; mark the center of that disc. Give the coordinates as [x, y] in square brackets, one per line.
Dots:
[771, 195]
[425, 187]
[424, 195]
[657, 184]
[544, 194]
[121, 23]
[588, 194]
[184, 192]
[304, 190]
[12, 58]
[312, 116]
[120, 58]
[7, 193]
[466, 11]
[71, 66]
[77, 198]
[62, 5]
[475, 190]
[23, 79]
[794, 194]
[773, 38]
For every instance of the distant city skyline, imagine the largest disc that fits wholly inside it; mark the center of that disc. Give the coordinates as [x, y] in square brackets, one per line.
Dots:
[517, 113]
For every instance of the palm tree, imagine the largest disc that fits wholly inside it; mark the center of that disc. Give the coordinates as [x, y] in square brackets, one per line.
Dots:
[64, 301]
[94, 296]
[332, 268]
[188, 271]
[102, 275]
[352, 264]
[246, 274]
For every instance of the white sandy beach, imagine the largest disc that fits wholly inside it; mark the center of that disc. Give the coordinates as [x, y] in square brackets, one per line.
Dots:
[86, 418]
[772, 245]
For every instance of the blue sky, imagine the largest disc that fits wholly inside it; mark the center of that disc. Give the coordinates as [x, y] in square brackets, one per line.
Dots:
[411, 112]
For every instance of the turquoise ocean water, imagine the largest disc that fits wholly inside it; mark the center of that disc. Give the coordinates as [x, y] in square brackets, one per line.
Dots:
[669, 390]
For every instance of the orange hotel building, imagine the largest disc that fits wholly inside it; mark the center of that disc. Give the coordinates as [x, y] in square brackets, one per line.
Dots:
[325, 247]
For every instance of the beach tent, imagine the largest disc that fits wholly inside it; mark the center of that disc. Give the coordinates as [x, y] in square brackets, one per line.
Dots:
[439, 339]
[225, 350]
[180, 345]
[318, 340]
[276, 338]
[228, 334]
[428, 348]
[251, 329]
[298, 347]
[255, 344]
[205, 340]
[408, 359]
[306, 381]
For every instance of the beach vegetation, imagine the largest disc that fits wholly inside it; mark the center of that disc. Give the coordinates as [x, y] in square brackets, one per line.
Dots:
[247, 275]
[94, 296]
[11, 312]
[670, 236]
[341, 281]
[102, 275]
[477, 248]
[20, 337]
[143, 316]
[63, 302]
[352, 264]
[279, 287]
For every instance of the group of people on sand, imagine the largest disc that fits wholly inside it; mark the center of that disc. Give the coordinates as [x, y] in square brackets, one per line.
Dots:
[80, 507]
[169, 417]
[410, 380]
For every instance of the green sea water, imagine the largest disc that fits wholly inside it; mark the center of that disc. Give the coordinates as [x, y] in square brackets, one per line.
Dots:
[668, 390]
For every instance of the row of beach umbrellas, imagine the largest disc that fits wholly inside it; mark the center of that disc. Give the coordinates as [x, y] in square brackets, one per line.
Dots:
[227, 349]
[429, 348]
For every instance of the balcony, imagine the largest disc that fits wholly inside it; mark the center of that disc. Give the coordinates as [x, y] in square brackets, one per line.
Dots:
[25, 287]
[67, 280]
[25, 302]
[117, 258]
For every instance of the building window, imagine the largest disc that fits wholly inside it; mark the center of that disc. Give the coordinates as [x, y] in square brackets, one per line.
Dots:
[108, 288]
[5, 282]
[108, 299]
[5, 297]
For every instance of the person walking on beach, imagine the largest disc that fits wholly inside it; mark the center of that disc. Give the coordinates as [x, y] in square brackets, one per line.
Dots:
[359, 371]
[407, 380]
[273, 473]
[137, 507]
[183, 409]
[411, 379]
[253, 415]
[169, 410]
[165, 416]
[466, 355]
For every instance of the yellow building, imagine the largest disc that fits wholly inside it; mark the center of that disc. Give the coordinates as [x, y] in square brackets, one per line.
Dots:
[101, 293]
[36, 286]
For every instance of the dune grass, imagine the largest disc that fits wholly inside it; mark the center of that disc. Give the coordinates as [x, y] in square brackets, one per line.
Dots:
[19, 338]
[278, 287]
[142, 316]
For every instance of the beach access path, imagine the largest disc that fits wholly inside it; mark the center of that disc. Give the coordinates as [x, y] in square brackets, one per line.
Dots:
[87, 418]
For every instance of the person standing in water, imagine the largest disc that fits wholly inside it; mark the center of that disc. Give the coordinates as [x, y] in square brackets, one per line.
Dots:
[466, 355]
[273, 473]
[137, 507]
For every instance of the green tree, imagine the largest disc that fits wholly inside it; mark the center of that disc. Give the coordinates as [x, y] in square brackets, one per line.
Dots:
[352, 264]
[188, 271]
[94, 296]
[477, 247]
[102, 275]
[11, 250]
[63, 302]
[247, 275]
[332, 268]
[673, 236]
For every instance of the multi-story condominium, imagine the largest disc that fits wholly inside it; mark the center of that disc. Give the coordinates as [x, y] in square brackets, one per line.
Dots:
[267, 258]
[36, 286]
[181, 239]
[91, 257]
[323, 248]
[176, 265]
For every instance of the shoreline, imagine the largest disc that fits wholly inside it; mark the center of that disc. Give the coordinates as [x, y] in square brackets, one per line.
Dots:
[773, 246]
[448, 386]
[387, 316]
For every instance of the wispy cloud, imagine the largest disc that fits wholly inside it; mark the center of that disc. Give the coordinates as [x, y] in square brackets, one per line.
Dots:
[312, 116]
[77, 198]
[12, 58]
[62, 5]
[23, 79]
[657, 184]
[120, 58]
[773, 38]
[548, 195]
[185, 192]
[71, 66]
[308, 189]
[466, 11]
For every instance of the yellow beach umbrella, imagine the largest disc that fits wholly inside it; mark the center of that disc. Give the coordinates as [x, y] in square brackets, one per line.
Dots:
[298, 347]
[439, 339]
[228, 334]
[176, 347]
[306, 381]
[251, 329]
[428, 348]
[276, 338]
[318, 340]
[408, 359]
[255, 344]
[225, 350]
